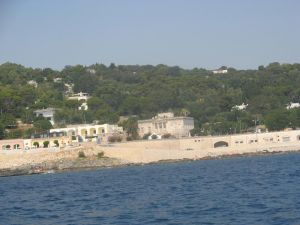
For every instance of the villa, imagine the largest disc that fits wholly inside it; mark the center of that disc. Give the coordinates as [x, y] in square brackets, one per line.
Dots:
[166, 123]
[89, 132]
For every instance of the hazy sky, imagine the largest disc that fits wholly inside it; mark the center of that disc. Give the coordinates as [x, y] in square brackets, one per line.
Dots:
[188, 33]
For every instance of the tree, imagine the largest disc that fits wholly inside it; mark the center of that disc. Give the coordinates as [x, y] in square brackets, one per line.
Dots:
[42, 125]
[56, 143]
[46, 144]
[2, 131]
[36, 144]
[8, 120]
[131, 127]
[277, 120]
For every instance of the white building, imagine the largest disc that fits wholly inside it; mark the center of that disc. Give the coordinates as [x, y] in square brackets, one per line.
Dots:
[33, 83]
[293, 105]
[220, 71]
[57, 80]
[79, 96]
[166, 123]
[241, 107]
[46, 113]
[92, 71]
[85, 132]
[69, 88]
[84, 106]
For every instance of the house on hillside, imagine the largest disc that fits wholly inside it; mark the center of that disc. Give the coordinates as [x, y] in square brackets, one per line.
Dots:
[241, 107]
[46, 113]
[81, 97]
[221, 70]
[166, 123]
[293, 105]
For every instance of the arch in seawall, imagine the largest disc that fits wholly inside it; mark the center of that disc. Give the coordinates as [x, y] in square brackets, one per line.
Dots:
[220, 144]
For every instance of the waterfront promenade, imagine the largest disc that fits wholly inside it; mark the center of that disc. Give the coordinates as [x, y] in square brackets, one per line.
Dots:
[140, 152]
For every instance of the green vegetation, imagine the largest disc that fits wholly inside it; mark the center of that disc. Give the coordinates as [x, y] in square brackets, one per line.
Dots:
[36, 144]
[140, 92]
[46, 144]
[56, 143]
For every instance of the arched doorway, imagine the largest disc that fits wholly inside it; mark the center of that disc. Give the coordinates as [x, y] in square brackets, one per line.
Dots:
[83, 132]
[220, 144]
[101, 130]
[92, 131]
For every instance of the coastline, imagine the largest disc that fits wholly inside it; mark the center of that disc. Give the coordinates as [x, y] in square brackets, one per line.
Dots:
[140, 152]
[93, 163]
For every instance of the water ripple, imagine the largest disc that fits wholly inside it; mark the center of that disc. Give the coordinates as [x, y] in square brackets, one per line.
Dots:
[252, 190]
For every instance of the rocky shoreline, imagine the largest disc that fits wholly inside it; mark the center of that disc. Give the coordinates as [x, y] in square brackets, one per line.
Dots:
[62, 165]
[94, 162]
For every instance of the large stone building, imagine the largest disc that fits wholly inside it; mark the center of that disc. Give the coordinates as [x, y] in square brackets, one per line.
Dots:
[166, 123]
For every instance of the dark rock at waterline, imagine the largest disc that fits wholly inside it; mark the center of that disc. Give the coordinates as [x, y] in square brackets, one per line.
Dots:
[65, 164]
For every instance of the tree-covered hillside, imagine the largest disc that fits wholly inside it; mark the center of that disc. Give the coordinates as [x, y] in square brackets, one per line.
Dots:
[146, 90]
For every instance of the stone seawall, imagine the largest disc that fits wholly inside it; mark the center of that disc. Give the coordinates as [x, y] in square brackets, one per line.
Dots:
[202, 147]
[16, 158]
[150, 155]
[161, 150]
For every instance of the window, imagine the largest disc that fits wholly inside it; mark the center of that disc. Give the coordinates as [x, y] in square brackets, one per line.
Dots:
[164, 125]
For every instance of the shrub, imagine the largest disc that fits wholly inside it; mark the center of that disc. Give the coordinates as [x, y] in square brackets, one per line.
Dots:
[81, 154]
[56, 143]
[36, 144]
[46, 144]
[100, 155]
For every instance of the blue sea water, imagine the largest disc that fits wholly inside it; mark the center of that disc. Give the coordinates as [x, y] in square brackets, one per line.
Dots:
[249, 190]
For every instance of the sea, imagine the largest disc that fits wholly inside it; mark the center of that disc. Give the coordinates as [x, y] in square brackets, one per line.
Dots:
[241, 190]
